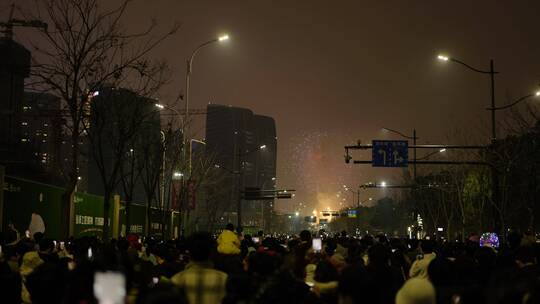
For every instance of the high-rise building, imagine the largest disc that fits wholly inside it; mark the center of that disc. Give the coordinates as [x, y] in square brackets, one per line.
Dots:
[244, 146]
[266, 163]
[121, 125]
[42, 136]
[14, 68]
[30, 122]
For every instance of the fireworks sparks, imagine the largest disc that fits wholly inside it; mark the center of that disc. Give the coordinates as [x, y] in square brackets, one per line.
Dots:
[318, 172]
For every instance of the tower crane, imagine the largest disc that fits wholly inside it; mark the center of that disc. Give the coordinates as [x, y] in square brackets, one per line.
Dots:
[7, 27]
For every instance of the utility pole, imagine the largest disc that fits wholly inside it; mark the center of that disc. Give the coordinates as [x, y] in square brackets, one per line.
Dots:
[239, 203]
[495, 195]
[414, 155]
[494, 174]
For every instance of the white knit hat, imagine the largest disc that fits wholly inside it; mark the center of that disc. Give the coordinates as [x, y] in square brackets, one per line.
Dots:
[416, 291]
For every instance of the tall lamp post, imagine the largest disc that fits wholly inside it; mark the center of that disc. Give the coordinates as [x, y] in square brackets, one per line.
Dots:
[358, 202]
[357, 194]
[175, 175]
[494, 174]
[491, 72]
[163, 142]
[241, 181]
[432, 153]
[238, 171]
[414, 138]
[190, 70]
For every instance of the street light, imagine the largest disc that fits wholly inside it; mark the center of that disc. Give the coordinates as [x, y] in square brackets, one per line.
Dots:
[493, 108]
[414, 138]
[443, 57]
[161, 106]
[433, 153]
[162, 194]
[240, 180]
[383, 184]
[491, 73]
[536, 94]
[189, 70]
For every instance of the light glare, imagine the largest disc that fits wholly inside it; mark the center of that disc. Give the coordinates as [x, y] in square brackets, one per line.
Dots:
[223, 38]
[443, 57]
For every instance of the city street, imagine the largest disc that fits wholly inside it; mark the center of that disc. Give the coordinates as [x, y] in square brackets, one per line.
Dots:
[237, 152]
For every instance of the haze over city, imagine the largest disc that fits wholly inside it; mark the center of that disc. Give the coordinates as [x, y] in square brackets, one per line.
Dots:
[335, 73]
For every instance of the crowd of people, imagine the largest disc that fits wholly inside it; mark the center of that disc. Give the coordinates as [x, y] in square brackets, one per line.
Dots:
[234, 268]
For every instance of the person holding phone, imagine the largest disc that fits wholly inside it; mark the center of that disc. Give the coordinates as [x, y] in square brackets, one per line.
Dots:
[420, 266]
[316, 244]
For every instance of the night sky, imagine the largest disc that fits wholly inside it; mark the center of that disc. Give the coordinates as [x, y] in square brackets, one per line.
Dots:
[333, 72]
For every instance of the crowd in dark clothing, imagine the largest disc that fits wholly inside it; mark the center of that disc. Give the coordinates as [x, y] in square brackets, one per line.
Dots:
[205, 268]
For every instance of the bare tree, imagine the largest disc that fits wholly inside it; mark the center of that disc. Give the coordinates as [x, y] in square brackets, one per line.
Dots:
[117, 117]
[149, 159]
[207, 179]
[84, 49]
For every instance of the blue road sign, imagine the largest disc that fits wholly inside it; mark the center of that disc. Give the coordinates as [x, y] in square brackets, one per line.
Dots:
[390, 153]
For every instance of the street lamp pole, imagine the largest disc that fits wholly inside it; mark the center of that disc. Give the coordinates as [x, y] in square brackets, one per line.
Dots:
[493, 108]
[494, 173]
[189, 70]
[414, 155]
[162, 190]
[241, 178]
